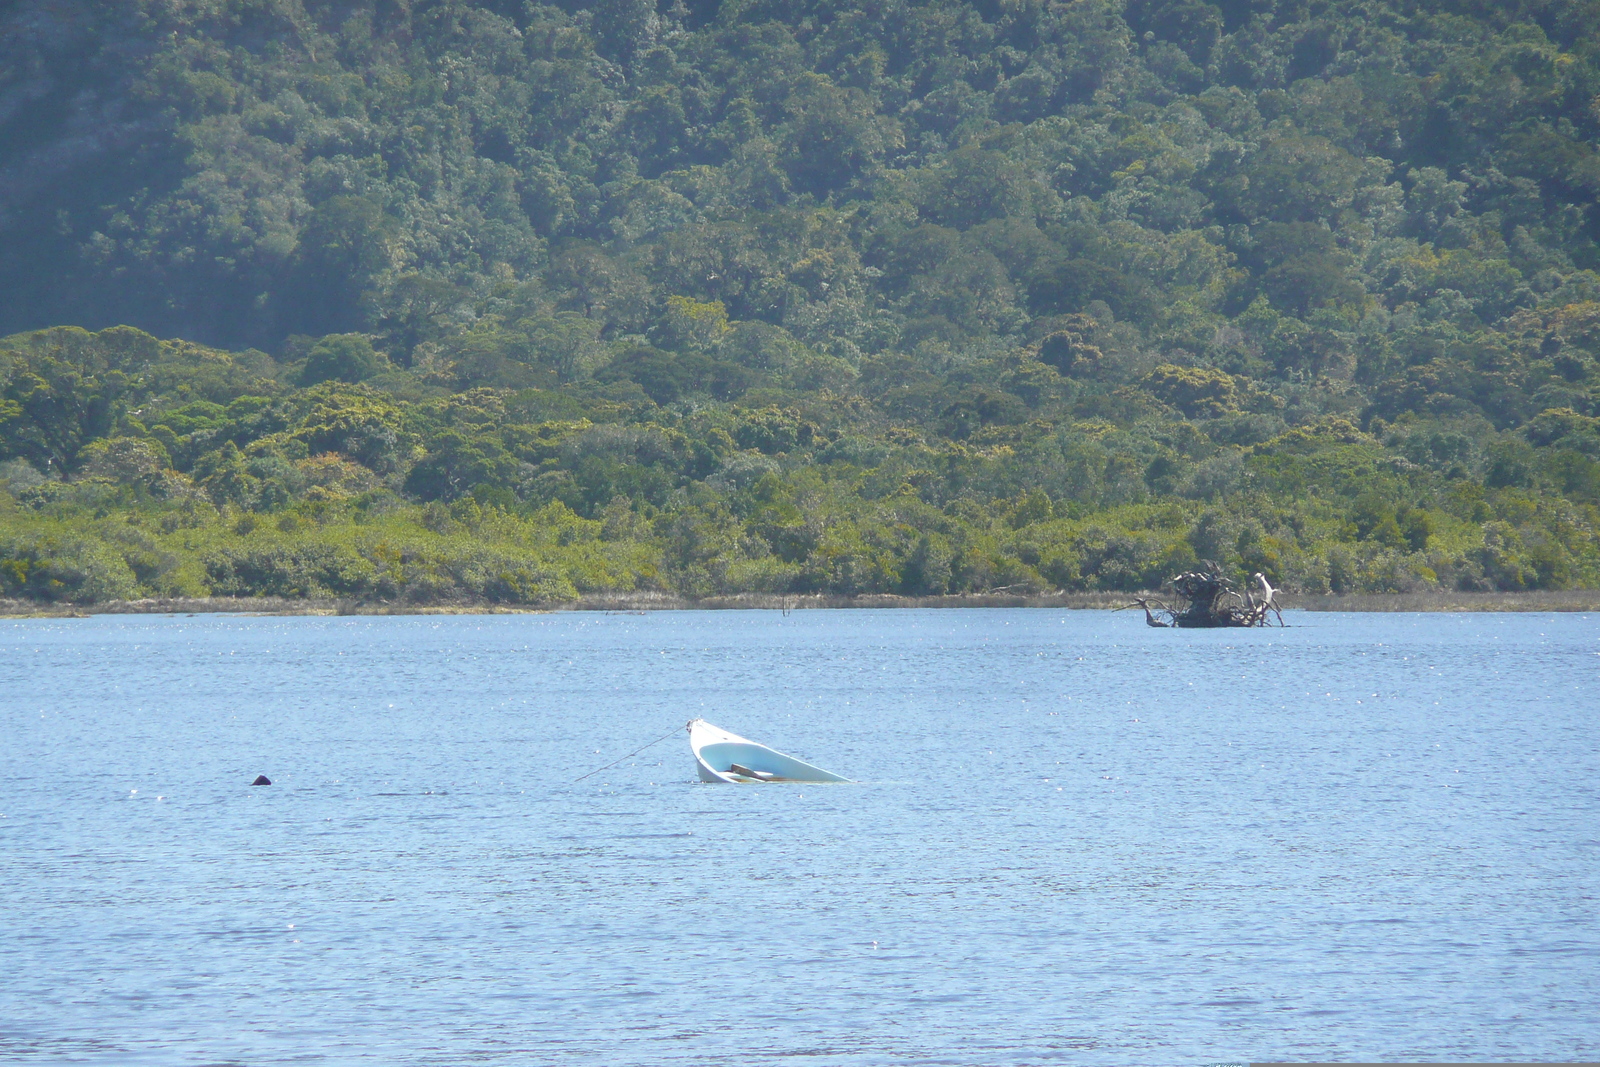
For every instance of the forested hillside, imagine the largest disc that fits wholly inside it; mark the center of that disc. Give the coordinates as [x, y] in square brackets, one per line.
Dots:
[430, 300]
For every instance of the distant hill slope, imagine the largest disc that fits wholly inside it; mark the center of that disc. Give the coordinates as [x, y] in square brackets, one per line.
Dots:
[895, 297]
[862, 176]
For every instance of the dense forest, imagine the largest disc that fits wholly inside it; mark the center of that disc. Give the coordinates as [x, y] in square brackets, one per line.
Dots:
[436, 301]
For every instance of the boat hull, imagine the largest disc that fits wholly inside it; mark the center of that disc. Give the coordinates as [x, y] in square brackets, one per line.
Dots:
[717, 753]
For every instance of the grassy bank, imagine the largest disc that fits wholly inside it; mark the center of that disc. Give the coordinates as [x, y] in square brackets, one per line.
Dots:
[1537, 600]
[1570, 600]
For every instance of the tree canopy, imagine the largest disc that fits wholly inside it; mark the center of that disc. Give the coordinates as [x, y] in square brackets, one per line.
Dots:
[512, 301]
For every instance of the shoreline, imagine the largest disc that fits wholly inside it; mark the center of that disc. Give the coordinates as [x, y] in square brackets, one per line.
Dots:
[638, 602]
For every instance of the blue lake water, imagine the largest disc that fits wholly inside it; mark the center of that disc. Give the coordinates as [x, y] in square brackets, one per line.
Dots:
[1074, 840]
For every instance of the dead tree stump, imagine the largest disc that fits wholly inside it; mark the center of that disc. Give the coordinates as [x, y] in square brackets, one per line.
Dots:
[1212, 601]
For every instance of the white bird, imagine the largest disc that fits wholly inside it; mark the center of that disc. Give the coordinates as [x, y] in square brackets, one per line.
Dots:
[1269, 596]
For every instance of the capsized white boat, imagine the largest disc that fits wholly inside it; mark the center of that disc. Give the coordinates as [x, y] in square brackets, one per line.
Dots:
[724, 757]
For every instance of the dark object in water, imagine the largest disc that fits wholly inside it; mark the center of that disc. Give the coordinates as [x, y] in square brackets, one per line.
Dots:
[1212, 602]
[739, 768]
[262, 779]
[1149, 618]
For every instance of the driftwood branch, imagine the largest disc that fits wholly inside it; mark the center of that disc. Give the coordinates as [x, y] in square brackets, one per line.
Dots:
[1212, 601]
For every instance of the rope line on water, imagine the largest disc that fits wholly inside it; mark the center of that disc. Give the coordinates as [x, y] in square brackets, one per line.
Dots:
[630, 755]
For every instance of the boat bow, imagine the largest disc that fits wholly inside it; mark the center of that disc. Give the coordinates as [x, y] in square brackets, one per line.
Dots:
[721, 756]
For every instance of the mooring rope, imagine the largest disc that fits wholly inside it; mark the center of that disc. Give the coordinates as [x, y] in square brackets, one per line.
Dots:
[630, 755]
